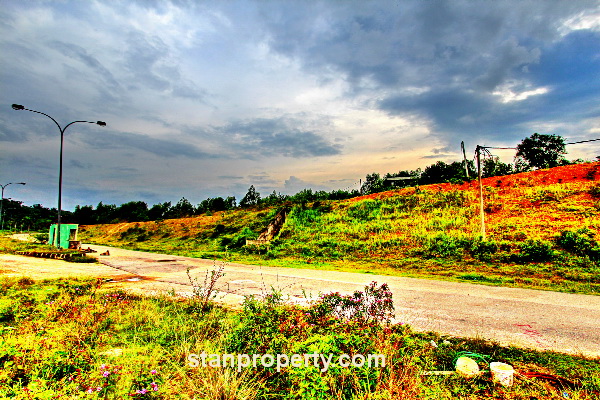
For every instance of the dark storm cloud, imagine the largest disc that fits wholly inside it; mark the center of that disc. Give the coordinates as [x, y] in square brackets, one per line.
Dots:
[277, 137]
[571, 67]
[443, 60]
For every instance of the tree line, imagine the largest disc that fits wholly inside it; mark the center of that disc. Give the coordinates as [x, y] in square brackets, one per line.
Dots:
[534, 152]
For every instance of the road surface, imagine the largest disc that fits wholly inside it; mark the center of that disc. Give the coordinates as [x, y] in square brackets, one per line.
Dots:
[543, 320]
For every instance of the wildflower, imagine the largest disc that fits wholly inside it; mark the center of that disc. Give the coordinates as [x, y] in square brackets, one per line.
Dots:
[106, 374]
[153, 372]
[154, 386]
[141, 391]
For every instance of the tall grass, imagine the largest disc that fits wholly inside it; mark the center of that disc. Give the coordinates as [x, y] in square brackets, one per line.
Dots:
[75, 339]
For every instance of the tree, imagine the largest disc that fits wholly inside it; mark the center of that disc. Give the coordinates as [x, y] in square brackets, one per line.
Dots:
[441, 172]
[541, 151]
[105, 213]
[84, 215]
[251, 198]
[372, 184]
[133, 211]
[159, 211]
[494, 167]
[230, 202]
[183, 208]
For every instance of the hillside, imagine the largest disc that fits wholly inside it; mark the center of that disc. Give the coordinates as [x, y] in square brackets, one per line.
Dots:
[543, 231]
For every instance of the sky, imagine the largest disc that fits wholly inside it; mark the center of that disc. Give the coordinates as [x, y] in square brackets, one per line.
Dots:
[205, 98]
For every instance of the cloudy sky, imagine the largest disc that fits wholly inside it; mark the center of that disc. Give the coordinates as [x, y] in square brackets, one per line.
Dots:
[205, 98]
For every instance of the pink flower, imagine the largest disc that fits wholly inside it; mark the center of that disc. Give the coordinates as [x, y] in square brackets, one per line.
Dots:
[153, 372]
[105, 374]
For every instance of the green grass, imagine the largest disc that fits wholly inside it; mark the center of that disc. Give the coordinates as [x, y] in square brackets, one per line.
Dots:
[543, 232]
[61, 339]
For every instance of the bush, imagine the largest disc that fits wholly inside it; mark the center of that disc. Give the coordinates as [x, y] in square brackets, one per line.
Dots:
[580, 242]
[444, 246]
[536, 251]
[375, 304]
[239, 240]
[483, 250]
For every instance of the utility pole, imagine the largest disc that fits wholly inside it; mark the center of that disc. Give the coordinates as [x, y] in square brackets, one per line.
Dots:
[481, 213]
[462, 146]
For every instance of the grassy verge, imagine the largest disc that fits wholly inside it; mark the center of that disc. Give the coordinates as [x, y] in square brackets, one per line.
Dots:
[565, 273]
[72, 339]
[543, 232]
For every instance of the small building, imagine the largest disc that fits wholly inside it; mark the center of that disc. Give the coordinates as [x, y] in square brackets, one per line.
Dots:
[67, 237]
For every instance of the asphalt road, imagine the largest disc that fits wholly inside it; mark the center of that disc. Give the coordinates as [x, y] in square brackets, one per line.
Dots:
[537, 319]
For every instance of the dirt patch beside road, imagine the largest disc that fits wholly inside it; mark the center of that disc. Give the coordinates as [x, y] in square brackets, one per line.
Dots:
[43, 268]
[40, 268]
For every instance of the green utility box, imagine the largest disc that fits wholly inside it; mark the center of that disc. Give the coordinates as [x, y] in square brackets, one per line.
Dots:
[68, 234]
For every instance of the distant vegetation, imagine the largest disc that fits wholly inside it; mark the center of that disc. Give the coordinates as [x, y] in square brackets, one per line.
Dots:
[537, 151]
[543, 231]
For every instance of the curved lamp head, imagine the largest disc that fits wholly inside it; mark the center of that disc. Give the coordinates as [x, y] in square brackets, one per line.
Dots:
[18, 107]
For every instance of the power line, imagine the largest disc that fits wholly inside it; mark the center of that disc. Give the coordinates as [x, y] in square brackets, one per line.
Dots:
[584, 141]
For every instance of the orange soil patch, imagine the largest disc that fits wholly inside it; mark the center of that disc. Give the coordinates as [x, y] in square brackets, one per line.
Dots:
[587, 172]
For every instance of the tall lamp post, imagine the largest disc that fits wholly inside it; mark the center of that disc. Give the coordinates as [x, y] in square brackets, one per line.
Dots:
[2, 202]
[19, 107]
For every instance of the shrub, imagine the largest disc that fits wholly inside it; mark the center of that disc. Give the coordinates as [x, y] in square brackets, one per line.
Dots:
[375, 304]
[483, 250]
[238, 240]
[444, 246]
[536, 251]
[580, 242]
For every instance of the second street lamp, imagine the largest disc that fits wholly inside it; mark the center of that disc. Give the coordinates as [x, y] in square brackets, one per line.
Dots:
[19, 107]
[2, 202]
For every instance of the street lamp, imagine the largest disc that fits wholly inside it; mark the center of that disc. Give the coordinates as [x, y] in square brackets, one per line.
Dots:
[19, 107]
[2, 202]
